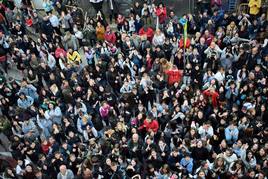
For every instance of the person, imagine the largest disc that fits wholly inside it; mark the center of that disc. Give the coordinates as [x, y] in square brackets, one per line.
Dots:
[174, 75]
[65, 173]
[24, 101]
[150, 124]
[53, 113]
[4, 46]
[100, 31]
[231, 133]
[109, 36]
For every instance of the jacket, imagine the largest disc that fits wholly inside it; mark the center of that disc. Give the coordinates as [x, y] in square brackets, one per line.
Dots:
[188, 165]
[74, 57]
[228, 134]
[162, 14]
[110, 37]
[26, 103]
[54, 115]
[153, 125]
[149, 33]
[213, 96]
[100, 31]
[59, 51]
[173, 76]
[254, 6]
[29, 90]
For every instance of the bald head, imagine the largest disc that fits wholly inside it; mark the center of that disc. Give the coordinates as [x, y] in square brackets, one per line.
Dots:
[63, 169]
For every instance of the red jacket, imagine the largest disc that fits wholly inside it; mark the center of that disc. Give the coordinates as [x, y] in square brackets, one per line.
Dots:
[213, 96]
[162, 14]
[149, 33]
[208, 39]
[173, 76]
[153, 125]
[110, 37]
[58, 51]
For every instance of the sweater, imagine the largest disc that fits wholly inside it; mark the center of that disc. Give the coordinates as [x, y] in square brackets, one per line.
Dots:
[153, 125]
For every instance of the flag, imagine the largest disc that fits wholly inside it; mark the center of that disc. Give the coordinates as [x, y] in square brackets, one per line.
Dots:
[183, 22]
[185, 34]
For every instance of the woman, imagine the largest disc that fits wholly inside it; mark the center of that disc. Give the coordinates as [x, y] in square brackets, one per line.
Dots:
[159, 38]
[66, 21]
[32, 78]
[100, 31]
[237, 169]
[199, 152]
[89, 31]
[53, 113]
[161, 13]
[249, 159]
[218, 167]
[44, 124]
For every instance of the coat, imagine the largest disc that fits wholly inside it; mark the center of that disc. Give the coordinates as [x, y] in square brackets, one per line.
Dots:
[149, 33]
[161, 14]
[100, 31]
[254, 7]
[153, 125]
[213, 95]
[110, 37]
[173, 76]
[26, 103]
[74, 57]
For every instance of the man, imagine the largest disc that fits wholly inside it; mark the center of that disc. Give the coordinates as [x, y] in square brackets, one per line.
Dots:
[116, 173]
[135, 146]
[65, 173]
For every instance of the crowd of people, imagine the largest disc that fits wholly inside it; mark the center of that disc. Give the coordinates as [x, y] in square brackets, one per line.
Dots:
[117, 96]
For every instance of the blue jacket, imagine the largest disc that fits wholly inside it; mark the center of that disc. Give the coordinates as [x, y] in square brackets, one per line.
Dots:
[45, 125]
[188, 165]
[228, 135]
[29, 90]
[26, 103]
